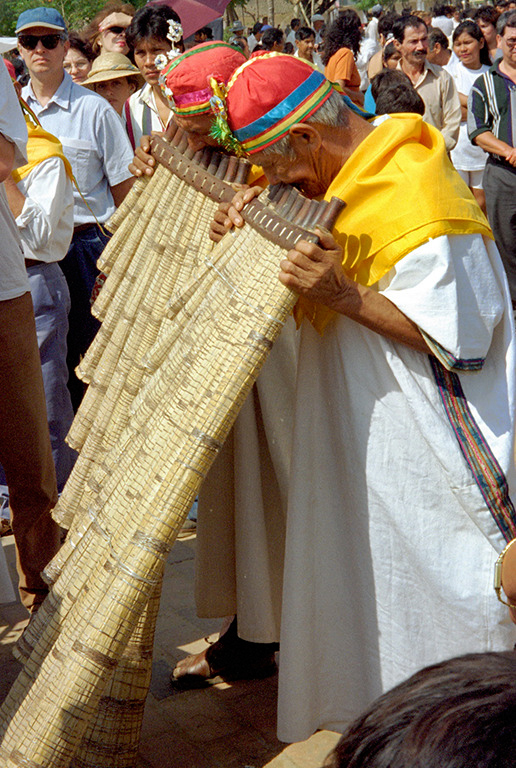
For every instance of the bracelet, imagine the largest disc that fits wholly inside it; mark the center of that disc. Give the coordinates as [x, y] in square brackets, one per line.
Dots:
[498, 575]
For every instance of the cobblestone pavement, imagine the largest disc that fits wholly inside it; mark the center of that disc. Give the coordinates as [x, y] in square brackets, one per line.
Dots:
[225, 725]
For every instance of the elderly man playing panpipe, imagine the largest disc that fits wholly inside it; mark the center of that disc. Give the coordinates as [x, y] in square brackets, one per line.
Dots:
[242, 505]
[403, 452]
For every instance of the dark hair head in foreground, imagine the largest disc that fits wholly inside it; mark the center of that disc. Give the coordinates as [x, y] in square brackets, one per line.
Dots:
[460, 713]
[393, 92]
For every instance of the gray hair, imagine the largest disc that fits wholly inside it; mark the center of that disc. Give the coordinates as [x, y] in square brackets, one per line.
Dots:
[507, 19]
[333, 112]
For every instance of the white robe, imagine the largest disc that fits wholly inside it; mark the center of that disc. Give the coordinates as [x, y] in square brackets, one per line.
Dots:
[390, 545]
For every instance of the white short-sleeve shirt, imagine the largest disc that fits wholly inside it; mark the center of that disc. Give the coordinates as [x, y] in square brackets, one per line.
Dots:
[94, 141]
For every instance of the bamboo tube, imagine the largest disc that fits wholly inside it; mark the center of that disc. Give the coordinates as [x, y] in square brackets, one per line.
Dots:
[112, 738]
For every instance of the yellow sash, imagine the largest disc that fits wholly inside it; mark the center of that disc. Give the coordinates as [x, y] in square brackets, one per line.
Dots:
[400, 190]
[40, 146]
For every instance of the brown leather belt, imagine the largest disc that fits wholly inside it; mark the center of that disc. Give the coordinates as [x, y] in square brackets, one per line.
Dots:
[83, 227]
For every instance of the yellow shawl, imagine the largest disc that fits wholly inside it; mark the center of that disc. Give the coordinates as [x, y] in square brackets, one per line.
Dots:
[400, 190]
[40, 146]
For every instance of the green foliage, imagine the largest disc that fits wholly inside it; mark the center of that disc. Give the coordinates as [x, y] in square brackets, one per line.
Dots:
[365, 5]
[77, 13]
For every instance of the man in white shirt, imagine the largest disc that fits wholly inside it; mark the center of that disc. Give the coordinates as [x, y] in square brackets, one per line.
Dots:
[95, 143]
[441, 20]
[318, 26]
[295, 24]
[25, 451]
[255, 37]
[305, 47]
[433, 83]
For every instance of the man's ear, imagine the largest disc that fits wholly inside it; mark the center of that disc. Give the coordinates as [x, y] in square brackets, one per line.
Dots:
[304, 138]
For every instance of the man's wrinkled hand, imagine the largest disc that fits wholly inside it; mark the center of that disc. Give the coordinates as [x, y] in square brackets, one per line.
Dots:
[228, 215]
[143, 163]
[220, 224]
[315, 270]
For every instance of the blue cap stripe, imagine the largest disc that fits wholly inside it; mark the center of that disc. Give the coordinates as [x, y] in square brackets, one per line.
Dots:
[281, 110]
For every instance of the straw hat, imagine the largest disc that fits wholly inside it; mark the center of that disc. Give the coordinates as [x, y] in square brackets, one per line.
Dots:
[108, 66]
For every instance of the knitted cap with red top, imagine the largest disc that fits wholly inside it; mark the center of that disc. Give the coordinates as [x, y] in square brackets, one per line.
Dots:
[186, 80]
[269, 94]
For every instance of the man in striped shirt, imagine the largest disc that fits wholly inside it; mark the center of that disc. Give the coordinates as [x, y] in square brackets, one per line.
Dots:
[492, 125]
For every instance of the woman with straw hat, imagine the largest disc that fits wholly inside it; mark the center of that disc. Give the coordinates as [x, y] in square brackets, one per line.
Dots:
[115, 78]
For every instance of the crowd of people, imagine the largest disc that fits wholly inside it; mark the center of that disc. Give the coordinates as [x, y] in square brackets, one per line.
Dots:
[358, 535]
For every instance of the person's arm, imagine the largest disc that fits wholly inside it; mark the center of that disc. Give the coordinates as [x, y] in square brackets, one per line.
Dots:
[480, 123]
[489, 143]
[357, 97]
[451, 111]
[6, 158]
[13, 129]
[43, 206]
[315, 271]
[15, 198]
[463, 107]
[115, 152]
[119, 191]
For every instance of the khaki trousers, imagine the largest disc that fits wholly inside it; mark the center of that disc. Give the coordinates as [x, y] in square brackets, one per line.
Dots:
[25, 451]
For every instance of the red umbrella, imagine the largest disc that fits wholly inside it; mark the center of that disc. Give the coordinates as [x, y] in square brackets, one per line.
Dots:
[195, 14]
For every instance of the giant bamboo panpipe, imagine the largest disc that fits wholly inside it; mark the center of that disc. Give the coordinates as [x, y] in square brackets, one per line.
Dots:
[227, 324]
[165, 255]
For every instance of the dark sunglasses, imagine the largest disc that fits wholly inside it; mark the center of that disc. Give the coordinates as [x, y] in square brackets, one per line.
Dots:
[29, 42]
[115, 30]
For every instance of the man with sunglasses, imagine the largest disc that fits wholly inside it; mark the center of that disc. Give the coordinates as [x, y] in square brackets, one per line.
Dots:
[95, 143]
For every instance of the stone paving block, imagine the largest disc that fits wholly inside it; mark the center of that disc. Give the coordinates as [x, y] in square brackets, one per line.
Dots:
[201, 715]
[170, 750]
[183, 549]
[307, 754]
[244, 748]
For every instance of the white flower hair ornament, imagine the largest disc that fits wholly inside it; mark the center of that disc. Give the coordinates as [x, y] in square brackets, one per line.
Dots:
[175, 33]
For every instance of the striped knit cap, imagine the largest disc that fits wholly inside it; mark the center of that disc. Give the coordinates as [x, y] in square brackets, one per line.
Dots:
[185, 80]
[269, 94]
